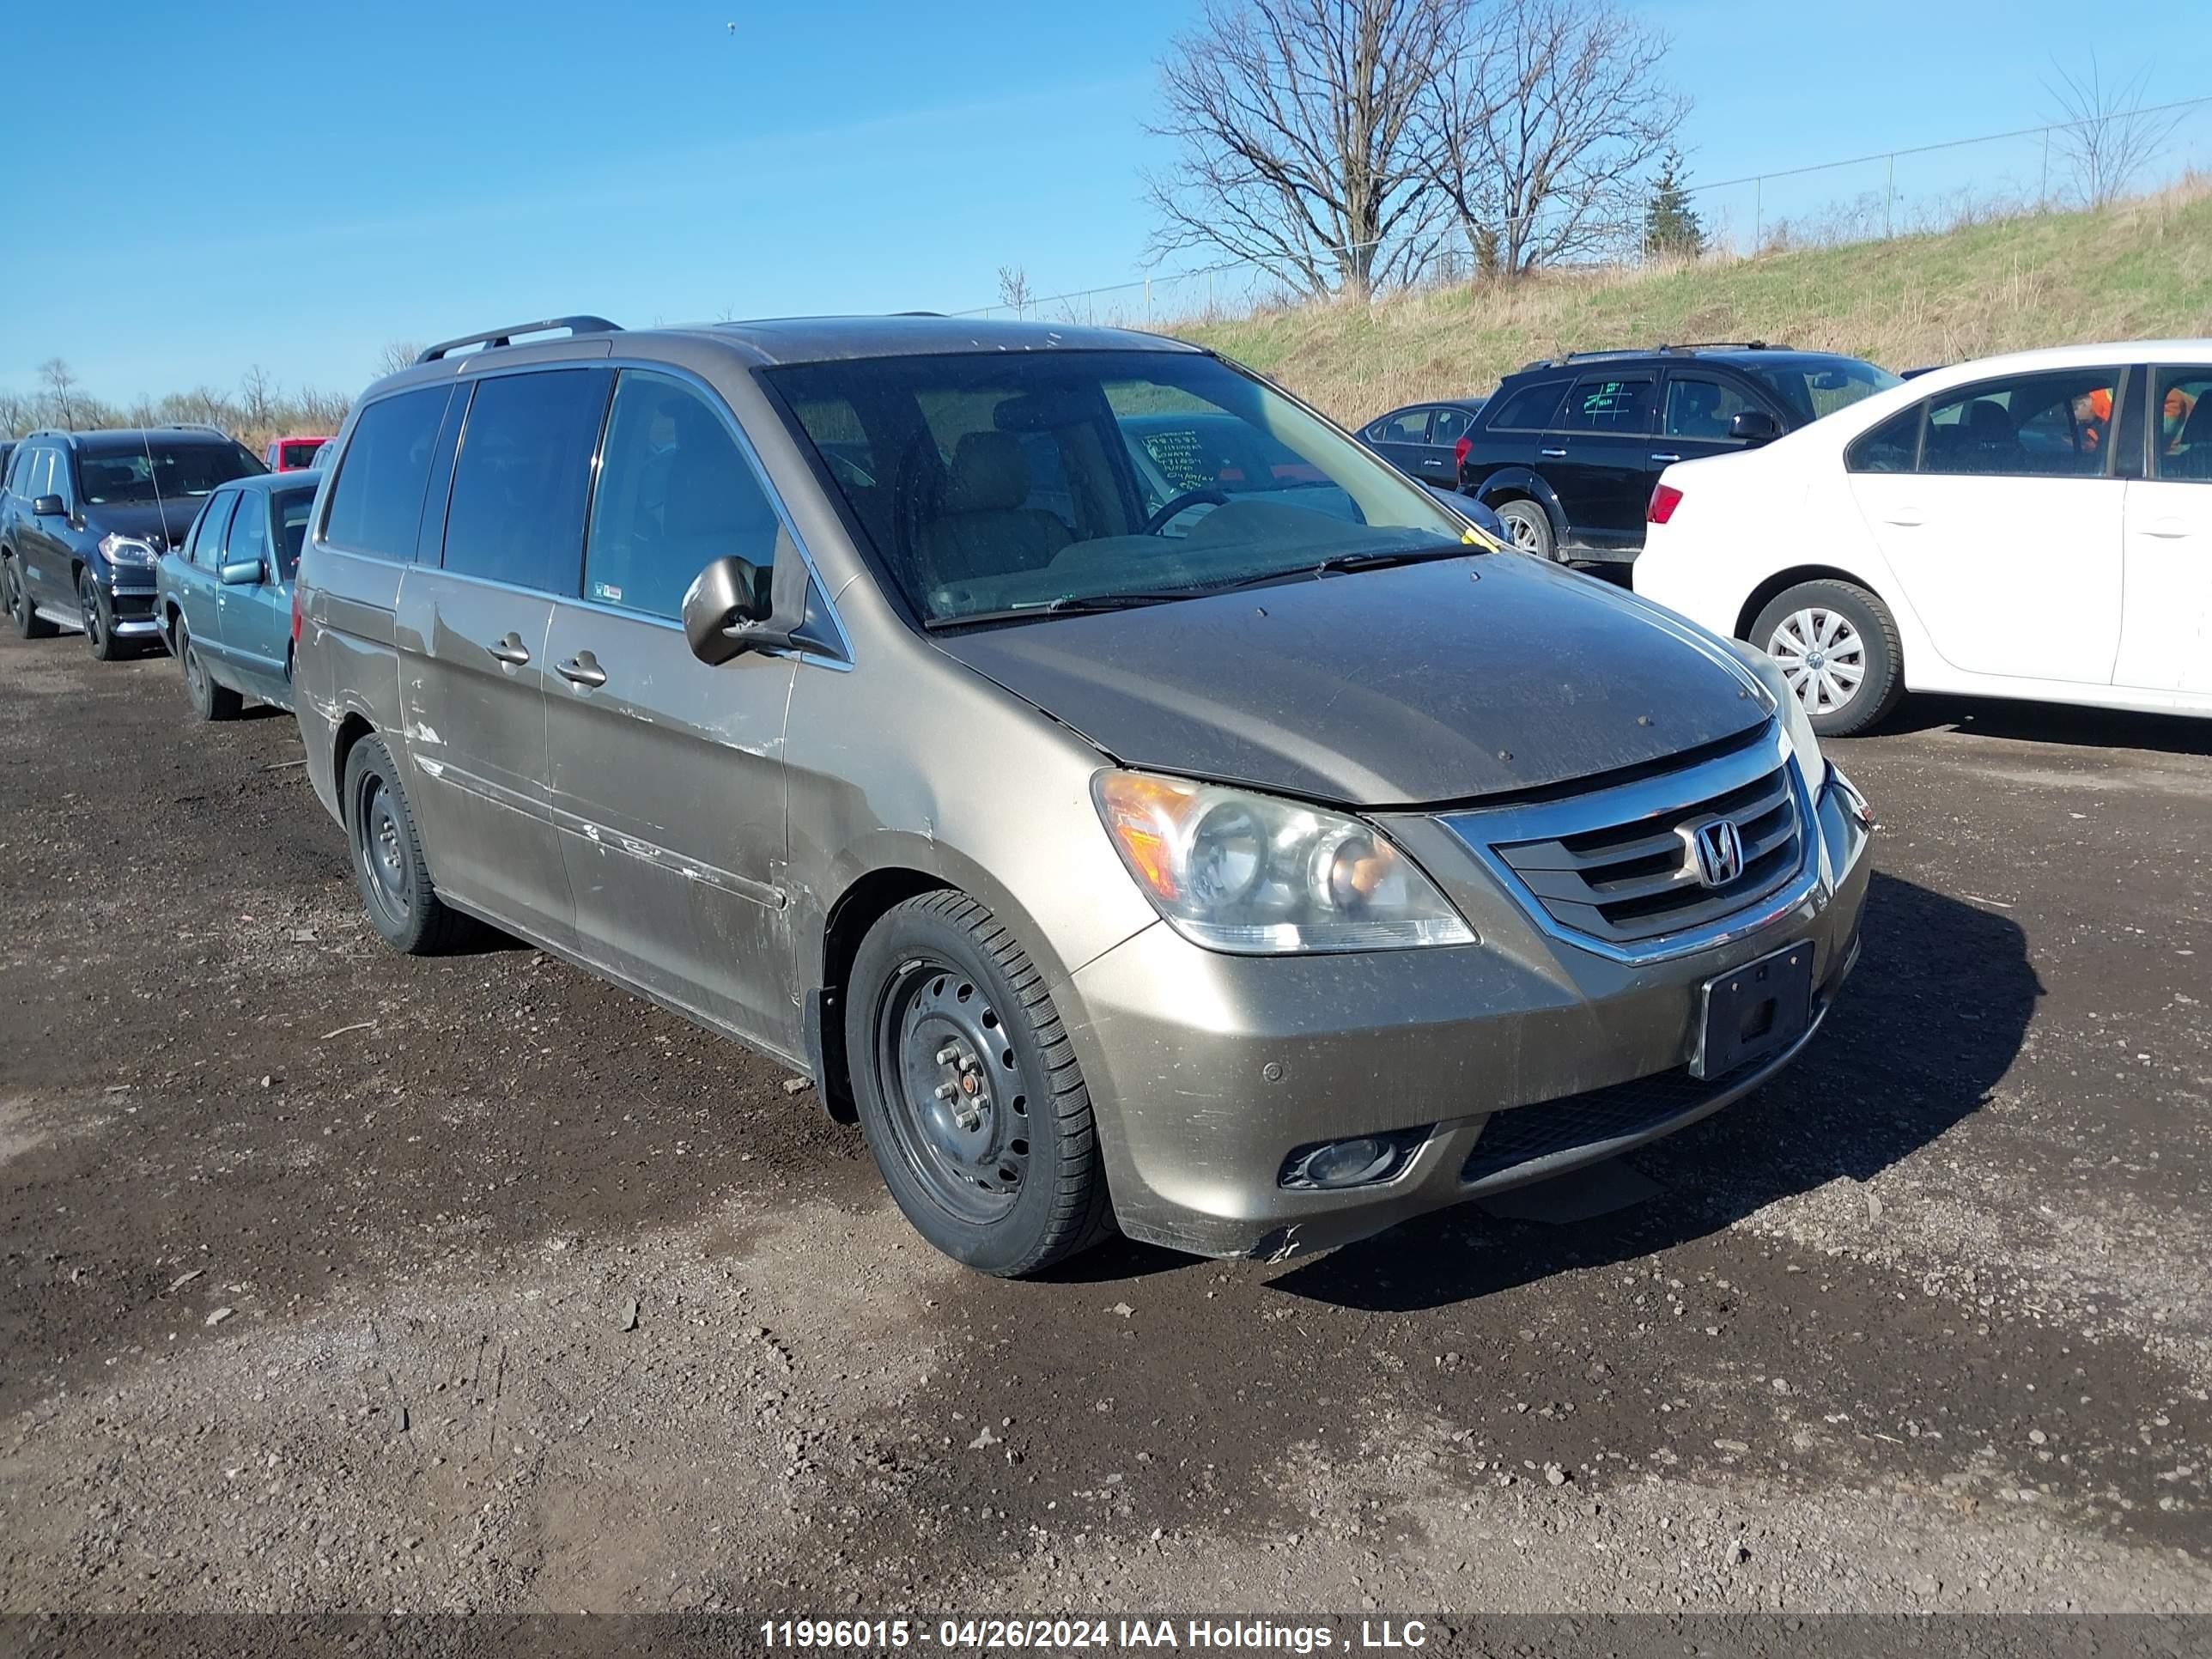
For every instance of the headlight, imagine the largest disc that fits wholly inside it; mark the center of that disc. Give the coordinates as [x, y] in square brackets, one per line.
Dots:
[1259, 876]
[1803, 740]
[125, 549]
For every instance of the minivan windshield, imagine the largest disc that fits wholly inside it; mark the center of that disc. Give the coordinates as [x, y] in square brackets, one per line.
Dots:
[127, 477]
[994, 485]
[1811, 386]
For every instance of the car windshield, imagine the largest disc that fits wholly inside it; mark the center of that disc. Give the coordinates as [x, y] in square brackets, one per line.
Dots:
[1810, 387]
[301, 451]
[1000, 483]
[127, 477]
[293, 507]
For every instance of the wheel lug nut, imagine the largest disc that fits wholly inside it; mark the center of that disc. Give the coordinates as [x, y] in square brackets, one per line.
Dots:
[945, 1091]
[947, 1055]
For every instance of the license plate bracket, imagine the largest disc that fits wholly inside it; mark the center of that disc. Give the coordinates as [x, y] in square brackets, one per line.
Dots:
[1754, 1011]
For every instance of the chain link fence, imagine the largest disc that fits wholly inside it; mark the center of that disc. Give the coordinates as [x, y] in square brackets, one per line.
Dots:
[1901, 193]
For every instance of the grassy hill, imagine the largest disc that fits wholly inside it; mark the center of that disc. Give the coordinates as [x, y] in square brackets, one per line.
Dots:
[2140, 270]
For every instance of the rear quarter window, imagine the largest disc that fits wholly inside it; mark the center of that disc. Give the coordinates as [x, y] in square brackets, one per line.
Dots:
[1531, 408]
[376, 503]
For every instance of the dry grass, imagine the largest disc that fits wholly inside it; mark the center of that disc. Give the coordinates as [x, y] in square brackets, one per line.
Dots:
[2140, 270]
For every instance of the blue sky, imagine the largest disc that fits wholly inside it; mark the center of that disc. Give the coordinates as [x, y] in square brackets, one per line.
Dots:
[433, 168]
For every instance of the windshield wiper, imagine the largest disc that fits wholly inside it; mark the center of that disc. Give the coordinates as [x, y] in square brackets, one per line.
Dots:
[1382, 559]
[1067, 605]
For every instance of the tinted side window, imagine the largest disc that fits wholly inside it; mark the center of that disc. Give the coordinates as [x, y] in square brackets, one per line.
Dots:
[676, 493]
[2050, 425]
[1450, 423]
[1892, 447]
[1531, 408]
[1701, 406]
[292, 511]
[517, 511]
[377, 503]
[1609, 404]
[249, 531]
[2183, 443]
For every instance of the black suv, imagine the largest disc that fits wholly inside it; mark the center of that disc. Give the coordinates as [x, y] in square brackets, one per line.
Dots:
[84, 515]
[1567, 450]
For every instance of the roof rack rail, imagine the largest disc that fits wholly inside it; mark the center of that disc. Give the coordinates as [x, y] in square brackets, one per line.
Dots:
[193, 426]
[917, 313]
[1722, 345]
[500, 337]
[1661, 349]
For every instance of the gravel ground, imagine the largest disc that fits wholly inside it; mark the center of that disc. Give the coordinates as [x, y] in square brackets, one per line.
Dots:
[338, 1281]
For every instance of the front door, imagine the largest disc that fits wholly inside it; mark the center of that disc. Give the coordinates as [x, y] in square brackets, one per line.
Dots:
[1402, 439]
[2006, 538]
[1604, 478]
[257, 617]
[1694, 414]
[2165, 634]
[196, 570]
[667, 775]
[473, 643]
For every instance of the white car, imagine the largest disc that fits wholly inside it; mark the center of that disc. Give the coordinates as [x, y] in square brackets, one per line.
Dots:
[2033, 526]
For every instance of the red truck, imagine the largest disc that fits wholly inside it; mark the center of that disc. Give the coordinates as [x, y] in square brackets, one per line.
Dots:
[291, 454]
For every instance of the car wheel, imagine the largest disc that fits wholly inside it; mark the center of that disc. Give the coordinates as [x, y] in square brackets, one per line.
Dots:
[1836, 644]
[1529, 528]
[98, 618]
[969, 1090]
[210, 701]
[17, 596]
[395, 884]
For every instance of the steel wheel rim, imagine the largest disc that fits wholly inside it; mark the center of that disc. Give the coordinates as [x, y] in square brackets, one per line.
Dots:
[381, 851]
[957, 1108]
[88, 602]
[1822, 655]
[195, 675]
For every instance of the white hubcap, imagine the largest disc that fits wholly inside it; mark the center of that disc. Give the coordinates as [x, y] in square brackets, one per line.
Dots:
[1822, 657]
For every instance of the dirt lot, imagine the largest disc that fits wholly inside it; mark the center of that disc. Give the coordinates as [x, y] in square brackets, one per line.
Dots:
[337, 1279]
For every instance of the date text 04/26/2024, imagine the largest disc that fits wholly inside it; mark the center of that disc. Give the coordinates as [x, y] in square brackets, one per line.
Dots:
[1070, 1635]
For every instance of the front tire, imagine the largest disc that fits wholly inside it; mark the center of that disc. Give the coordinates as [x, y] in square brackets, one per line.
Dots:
[210, 701]
[98, 618]
[969, 1090]
[17, 595]
[395, 883]
[1529, 528]
[1837, 645]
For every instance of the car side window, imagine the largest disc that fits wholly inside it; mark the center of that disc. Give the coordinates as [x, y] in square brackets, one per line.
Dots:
[1701, 406]
[1531, 409]
[249, 531]
[676, 493]
[1609, 404]
[1892, 447]
[210, 528]
[516, 514]
[376, 502]
[1447, 426]
[2182, 447]
[2055, 424]
[1407, 426]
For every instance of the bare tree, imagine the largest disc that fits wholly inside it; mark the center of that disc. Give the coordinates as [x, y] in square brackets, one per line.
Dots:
[258, 394]
[1539, 128]
[2108, 137]
[395, 355]
[18, 414]
[1014, 291]
[62, 392]
[1296, 122]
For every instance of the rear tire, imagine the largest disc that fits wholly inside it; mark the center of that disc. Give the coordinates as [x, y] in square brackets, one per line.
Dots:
[395, 884]
[98, 618]
[210, 701]
[1838, 647]
[969, 1090]
[20, 611]
[1529, 528]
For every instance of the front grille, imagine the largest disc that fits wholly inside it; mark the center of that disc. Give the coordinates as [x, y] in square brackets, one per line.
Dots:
[1618, 864]
[1525, 1134]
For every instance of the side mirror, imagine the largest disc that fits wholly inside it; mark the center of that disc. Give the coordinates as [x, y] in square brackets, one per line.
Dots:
[1483, 516]
[726, 609]
[48, 506]
[1754, 426]
[244, 572]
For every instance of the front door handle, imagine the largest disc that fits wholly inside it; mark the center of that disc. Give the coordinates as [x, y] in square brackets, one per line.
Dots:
[1905, 518]
[510, 650]
[582, 669]
[1553, 454]
[1666, 457]
[2167, 529]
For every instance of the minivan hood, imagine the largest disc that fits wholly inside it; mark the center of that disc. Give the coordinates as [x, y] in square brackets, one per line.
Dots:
[170, 520]
[1441, 682]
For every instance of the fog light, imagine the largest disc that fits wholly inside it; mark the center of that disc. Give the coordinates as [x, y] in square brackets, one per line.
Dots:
[1355, 1161]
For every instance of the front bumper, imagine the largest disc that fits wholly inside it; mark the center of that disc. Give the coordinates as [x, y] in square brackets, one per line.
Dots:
[1208, 1070]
